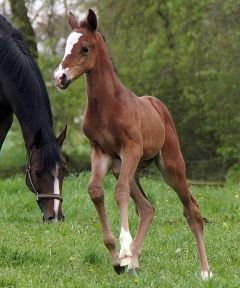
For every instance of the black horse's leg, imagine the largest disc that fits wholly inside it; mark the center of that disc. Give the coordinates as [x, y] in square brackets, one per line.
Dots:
[5, 125]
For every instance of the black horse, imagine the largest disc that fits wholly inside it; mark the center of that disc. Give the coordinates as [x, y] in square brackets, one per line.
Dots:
[23, 93]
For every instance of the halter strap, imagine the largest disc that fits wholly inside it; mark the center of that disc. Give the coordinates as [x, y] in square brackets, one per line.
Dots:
[39, 196]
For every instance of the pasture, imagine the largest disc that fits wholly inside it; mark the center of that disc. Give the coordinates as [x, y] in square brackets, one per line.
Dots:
[72, 254]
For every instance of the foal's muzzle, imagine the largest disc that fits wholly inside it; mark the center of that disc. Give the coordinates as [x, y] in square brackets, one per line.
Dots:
[62, 81]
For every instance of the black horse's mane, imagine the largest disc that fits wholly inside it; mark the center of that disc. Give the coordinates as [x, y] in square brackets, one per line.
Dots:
[32, 99]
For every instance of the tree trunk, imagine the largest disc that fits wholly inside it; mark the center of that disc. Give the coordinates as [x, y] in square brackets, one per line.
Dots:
[22, 21]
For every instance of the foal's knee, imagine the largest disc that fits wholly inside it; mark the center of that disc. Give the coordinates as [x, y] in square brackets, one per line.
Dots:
[96, 193]
[122, 194]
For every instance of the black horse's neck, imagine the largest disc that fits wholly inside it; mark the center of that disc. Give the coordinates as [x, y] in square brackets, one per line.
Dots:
[31, 105]
[24, 93]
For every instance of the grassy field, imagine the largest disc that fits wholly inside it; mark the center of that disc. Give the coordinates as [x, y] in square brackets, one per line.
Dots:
[72, 254]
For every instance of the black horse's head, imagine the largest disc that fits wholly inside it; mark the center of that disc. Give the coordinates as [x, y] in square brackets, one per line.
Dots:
[45, 173]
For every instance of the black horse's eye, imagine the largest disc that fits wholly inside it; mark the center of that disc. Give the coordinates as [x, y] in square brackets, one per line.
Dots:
[85, 50]
[38, 173]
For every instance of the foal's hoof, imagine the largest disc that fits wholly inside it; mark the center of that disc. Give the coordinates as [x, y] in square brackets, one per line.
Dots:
[125, 261]
[118, 269]
[206, 275]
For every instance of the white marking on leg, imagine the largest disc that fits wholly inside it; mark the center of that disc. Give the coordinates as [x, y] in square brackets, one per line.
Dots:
[73, 38]
[125, 242]
[56, 190]
[206, 275]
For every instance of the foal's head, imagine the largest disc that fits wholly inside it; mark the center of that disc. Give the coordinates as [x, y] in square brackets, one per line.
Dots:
[45, 173]
[80, 50]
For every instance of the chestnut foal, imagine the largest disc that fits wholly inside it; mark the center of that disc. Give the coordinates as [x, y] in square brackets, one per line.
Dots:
[126, 133]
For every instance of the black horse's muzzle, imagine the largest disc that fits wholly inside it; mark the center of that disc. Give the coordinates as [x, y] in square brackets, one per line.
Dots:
[52, 218]
[49, 217]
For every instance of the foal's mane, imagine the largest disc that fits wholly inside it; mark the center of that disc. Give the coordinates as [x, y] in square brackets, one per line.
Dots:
[32, 101]
[111, 57]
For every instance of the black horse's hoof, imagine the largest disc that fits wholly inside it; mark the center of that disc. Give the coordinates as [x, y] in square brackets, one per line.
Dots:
[118, 269]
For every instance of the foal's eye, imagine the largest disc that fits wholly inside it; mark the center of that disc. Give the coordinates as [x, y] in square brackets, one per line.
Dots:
[85, 50]
[38, 173]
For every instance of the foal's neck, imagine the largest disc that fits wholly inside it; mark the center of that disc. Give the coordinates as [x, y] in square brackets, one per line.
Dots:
[103, 85]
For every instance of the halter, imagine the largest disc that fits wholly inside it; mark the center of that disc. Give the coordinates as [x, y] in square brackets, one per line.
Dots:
[39, 196]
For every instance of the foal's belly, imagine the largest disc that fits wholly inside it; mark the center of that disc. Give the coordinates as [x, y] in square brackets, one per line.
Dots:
[152, 128]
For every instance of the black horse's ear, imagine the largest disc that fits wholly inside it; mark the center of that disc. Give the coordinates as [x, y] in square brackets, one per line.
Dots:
[38, 139]
[72, 20]
[60, 139]
[92, 20]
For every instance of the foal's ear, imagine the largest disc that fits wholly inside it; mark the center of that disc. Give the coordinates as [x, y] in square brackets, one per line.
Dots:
[60, 139]
[92, 20]
[72, 20]
[38, 139]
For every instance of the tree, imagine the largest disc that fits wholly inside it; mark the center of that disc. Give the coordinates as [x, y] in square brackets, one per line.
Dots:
[185, 53]
[22, 21]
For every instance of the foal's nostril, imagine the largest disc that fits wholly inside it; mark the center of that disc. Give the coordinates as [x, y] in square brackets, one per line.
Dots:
[63, 79]
[64, 76]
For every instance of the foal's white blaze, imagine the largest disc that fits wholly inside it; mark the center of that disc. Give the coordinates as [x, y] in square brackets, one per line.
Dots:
[71, 41]
[56, 190]
[73, 38]
[125, 242]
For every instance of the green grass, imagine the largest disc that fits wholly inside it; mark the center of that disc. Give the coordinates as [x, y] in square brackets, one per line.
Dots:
[72, 254]
[12, 154]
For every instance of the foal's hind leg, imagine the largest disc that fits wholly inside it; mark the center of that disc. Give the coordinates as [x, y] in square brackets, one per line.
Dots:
[100, 166]
[145, 212]
[5, 125]
[171, 164]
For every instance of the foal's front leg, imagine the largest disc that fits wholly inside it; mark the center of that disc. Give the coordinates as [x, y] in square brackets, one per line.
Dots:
[130, 157]
[100, 165]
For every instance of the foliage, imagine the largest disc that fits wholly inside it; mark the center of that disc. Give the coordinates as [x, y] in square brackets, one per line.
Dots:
[187, 54]
[12, 155]
[184, 52]
[22, 21]
[72, 254]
